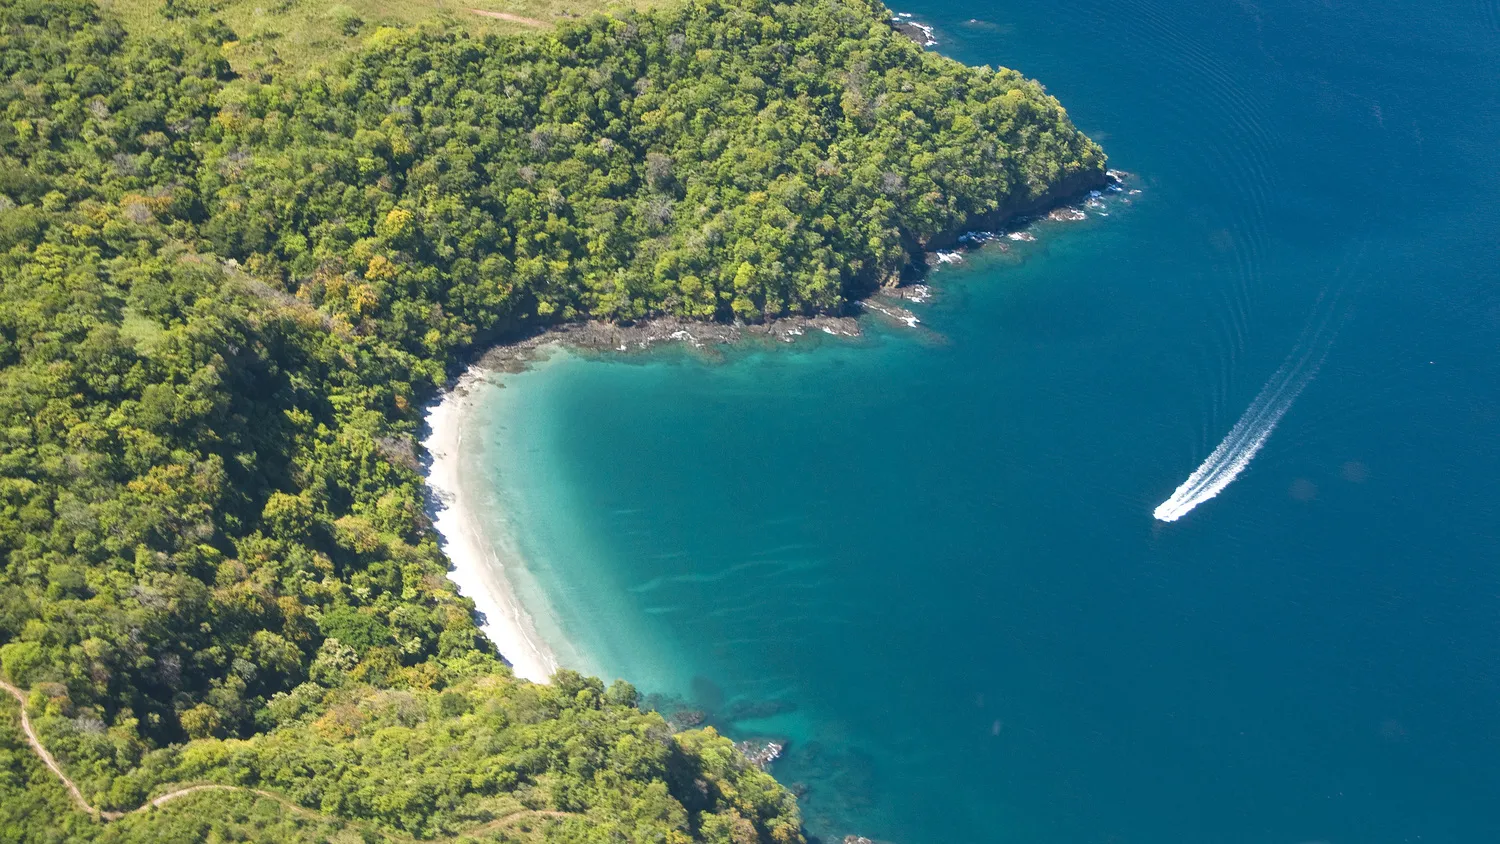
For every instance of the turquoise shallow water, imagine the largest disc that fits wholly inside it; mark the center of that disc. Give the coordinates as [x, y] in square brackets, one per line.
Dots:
[928, 557]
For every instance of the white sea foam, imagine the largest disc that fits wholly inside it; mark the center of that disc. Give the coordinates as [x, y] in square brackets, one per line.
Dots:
[904, 19]
[949, 257]
[898, 314]
[683, 335]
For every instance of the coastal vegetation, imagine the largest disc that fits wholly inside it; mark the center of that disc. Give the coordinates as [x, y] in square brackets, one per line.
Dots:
[226, 292]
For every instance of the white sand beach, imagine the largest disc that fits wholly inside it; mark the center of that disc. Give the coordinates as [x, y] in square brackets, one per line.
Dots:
[479, 564]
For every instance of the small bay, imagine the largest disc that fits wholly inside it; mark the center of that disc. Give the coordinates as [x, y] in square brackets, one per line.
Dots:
[927, 556]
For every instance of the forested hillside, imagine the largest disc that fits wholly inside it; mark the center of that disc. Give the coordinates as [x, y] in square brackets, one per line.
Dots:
[224, 299]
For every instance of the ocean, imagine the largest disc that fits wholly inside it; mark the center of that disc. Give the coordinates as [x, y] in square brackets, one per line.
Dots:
[928, 557]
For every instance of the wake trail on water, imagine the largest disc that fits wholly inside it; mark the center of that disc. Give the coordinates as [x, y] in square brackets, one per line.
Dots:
[1255, 425]
[1245, 439]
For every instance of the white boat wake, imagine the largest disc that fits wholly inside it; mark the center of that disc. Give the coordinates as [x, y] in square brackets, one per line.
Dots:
[1244, 439]
[1254, 427]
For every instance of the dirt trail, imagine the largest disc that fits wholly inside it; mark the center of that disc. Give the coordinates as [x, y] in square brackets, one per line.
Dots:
[286, 803]
[36, 745]
[507, 16]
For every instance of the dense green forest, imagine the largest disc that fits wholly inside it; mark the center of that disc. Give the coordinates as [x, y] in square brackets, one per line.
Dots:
[223, 300]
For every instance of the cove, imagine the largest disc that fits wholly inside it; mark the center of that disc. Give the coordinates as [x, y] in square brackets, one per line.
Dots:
[927, 557]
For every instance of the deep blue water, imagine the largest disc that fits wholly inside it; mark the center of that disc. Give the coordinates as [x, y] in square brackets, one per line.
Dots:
[933, 550]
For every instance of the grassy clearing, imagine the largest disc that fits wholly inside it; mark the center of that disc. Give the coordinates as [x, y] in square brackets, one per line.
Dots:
[297, 34]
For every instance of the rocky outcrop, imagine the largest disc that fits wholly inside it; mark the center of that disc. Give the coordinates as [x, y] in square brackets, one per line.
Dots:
[1068, 190]
[760, 753]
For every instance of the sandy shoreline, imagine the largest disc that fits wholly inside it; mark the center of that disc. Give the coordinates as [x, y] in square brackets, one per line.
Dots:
[483, 570]
[479, 568]
[479, 561]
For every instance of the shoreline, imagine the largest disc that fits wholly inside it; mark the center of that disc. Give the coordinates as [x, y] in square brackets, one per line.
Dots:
[477, 567]
[478, 563]
[608, 337]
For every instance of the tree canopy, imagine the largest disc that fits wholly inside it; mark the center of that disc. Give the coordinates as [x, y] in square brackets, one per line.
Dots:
[223, 301]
